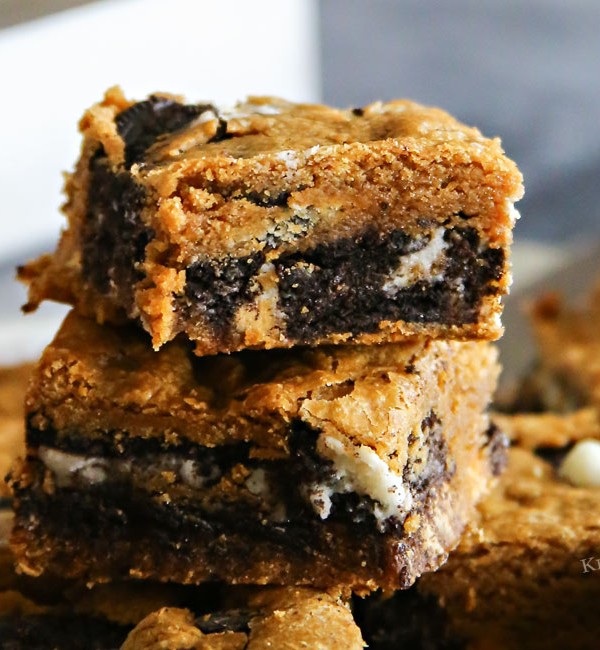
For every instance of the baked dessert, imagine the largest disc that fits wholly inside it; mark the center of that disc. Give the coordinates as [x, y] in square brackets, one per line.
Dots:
[275, 224]
[527, 575]
[567, 374]
[13, 382]
[282, 618]
[353, 465]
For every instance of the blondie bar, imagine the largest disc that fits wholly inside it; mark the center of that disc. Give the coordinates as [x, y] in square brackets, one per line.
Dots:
[527, 575]
[354, 465]
[274, 224]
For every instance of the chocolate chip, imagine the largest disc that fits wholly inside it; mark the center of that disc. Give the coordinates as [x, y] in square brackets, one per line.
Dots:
[268, 200]
[221, 132]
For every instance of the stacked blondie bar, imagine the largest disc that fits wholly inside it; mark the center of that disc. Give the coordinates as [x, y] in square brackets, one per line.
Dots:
[277, 369]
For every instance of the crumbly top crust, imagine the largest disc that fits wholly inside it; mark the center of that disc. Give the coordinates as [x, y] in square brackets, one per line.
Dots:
[532, 506]
[551, 430]
[225, 178]
[268, 125]
[96, 378]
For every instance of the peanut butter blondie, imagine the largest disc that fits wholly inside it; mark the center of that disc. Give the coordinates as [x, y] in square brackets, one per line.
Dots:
[275, 224]
[353, 465]
[527, 573]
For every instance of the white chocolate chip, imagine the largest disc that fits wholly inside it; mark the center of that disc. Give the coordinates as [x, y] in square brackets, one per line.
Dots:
[582, 464]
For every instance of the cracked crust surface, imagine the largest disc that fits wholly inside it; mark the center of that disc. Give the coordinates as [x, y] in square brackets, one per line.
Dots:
[234, 204]
[389, 445]
[99, 379]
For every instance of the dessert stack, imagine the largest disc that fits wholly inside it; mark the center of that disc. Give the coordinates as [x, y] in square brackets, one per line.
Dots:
[277, 368]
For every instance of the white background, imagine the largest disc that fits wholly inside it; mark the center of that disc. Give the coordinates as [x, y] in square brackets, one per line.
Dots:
[51, 69]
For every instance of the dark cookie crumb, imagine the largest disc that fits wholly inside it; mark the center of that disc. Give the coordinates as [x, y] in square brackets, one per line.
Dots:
[114, 238]
[216, 288]
[344, 290]
[234, 620]
[288, 480]
[143, 123]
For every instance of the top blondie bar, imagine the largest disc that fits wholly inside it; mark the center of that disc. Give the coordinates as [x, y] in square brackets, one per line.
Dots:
[274, 224]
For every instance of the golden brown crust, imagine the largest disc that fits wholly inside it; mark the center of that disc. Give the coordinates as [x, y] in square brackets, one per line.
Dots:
[395, 166]
[97, 378]
[534, 430]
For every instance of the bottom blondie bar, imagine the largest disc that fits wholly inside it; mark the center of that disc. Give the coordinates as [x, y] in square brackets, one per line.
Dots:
[337, 465]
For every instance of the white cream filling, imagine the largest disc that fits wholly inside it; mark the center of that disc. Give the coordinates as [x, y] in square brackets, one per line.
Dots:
[68, 468]
[359, 469]
[290, 157]
[419, 265]
[258, 484]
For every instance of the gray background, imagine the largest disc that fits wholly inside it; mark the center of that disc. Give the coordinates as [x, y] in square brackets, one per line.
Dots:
[527, 71]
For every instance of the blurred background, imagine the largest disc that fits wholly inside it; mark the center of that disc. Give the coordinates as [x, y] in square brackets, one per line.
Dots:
[528, 71]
